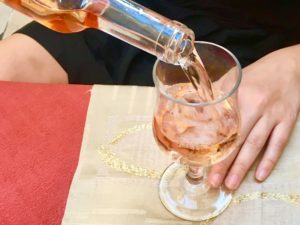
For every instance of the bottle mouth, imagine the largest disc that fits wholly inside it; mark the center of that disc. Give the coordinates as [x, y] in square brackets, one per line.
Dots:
[206, 103]
[185, 49]
[174, 42]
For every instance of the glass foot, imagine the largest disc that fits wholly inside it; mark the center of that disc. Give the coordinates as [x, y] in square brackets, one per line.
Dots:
[190, 201]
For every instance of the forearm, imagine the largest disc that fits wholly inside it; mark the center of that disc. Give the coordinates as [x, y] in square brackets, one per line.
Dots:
[293, 54]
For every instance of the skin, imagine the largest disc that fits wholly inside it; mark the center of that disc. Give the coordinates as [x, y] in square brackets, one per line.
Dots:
[27, 61]
[269, 102]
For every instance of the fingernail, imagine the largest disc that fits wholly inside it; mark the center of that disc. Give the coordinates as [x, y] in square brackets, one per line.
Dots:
[232, 182]
[261, 175]
[216, 180]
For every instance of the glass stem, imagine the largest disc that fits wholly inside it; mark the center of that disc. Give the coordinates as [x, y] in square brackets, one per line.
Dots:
[195, 174]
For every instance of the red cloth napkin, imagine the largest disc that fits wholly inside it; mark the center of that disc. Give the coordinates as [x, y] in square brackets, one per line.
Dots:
[41, 128]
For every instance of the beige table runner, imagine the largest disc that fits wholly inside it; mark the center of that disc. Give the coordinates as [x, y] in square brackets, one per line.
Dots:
[117, 176]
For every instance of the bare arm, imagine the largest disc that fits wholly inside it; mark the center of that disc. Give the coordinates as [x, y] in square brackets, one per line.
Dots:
[22, 59]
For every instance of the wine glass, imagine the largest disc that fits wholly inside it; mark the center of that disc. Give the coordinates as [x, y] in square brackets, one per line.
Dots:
[197, 134]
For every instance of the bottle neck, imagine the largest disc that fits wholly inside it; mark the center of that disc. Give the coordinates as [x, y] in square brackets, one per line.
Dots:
[145, 29]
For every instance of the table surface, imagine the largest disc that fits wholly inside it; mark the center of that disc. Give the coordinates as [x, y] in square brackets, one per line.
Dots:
[44, 132]
[116, 181]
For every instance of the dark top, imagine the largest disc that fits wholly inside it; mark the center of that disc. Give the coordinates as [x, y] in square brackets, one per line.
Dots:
[248, 28]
